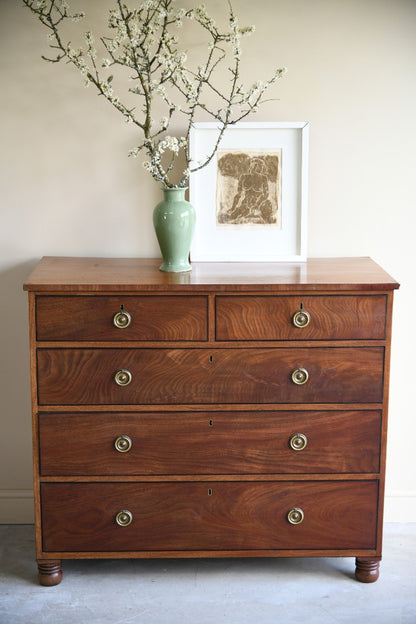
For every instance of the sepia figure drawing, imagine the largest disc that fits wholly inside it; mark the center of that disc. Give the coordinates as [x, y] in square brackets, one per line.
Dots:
[248, 188]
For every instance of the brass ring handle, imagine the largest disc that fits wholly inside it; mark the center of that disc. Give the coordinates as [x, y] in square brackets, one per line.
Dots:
[124, 518]
[300, 376]
[122, 319]
[295, 515]
[123, 443]
[123, 377]
[301, 318]
[298, 441]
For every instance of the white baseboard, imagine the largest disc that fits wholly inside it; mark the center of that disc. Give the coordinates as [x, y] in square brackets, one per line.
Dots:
[16, 507]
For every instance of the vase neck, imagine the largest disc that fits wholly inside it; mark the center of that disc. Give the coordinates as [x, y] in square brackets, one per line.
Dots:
[174, 194]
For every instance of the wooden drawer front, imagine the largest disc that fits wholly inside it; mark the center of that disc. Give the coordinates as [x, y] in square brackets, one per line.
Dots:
[208, 516]
[192, 376]
[270, 317]
[91, 318]
[209, 443]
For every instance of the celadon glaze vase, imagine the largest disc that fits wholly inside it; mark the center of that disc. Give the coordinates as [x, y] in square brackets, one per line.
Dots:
[174, 223]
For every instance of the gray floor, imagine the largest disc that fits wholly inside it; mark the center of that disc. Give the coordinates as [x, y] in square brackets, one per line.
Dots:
[214, 591]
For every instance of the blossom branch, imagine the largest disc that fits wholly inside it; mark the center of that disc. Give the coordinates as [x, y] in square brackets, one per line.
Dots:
[141, 41]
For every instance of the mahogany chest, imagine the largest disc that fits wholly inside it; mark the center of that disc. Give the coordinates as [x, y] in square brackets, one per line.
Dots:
[239, 410]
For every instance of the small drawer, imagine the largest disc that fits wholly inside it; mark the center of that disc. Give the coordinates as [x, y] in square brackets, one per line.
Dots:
[216, 515]
[121, 318]
[329, 317]
[186, 443]
[207, 376]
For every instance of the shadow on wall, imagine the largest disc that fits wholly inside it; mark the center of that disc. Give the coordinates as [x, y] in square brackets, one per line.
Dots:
[15, 441]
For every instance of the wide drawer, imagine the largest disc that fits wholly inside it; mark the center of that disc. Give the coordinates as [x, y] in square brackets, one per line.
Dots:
[319, 317]
[121, 318]
[208, 516]
[184, 443]
[207, 376]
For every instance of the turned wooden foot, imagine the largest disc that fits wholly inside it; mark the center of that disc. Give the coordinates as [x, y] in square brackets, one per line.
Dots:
[367, 569]
[50, 572]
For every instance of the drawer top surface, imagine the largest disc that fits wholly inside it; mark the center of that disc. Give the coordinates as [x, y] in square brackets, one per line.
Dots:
[75, 274]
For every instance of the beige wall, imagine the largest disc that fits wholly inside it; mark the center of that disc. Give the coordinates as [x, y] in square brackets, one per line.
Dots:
[68, 188]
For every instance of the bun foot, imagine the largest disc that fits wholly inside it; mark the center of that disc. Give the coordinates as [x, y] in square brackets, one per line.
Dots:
[50, 572]
[367, 569]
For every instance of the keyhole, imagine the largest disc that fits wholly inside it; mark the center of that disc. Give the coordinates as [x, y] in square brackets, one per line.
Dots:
[209, 492]
[122, 307]
[211, 422]
[211, 358]
[301, 306]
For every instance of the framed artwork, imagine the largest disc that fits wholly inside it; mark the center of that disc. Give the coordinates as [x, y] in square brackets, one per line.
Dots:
[250, 200]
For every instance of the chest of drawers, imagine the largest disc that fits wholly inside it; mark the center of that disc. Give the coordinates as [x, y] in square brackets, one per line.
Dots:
[239, 410]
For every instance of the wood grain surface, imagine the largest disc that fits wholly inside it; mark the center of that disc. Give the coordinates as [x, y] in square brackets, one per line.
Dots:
[175, 376]
[189, 516]
[141, 274]
[152, 318]
[181, 443]
[332, 317]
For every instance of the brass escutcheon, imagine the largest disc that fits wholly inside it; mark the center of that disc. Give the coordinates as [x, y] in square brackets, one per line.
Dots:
[300, 376]
[122, 319]
[124, 518]
[123, 443]
[301, 318]
[298, 441]
[295, 515]
[123, 377]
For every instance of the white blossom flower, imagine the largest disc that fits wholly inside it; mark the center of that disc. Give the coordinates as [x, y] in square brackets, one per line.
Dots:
[77, 17]
[247, 30]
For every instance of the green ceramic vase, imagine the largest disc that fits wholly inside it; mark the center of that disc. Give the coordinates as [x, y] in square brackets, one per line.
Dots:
[174, 223]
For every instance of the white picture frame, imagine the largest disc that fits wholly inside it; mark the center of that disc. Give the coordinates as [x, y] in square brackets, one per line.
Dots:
[250, 238]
